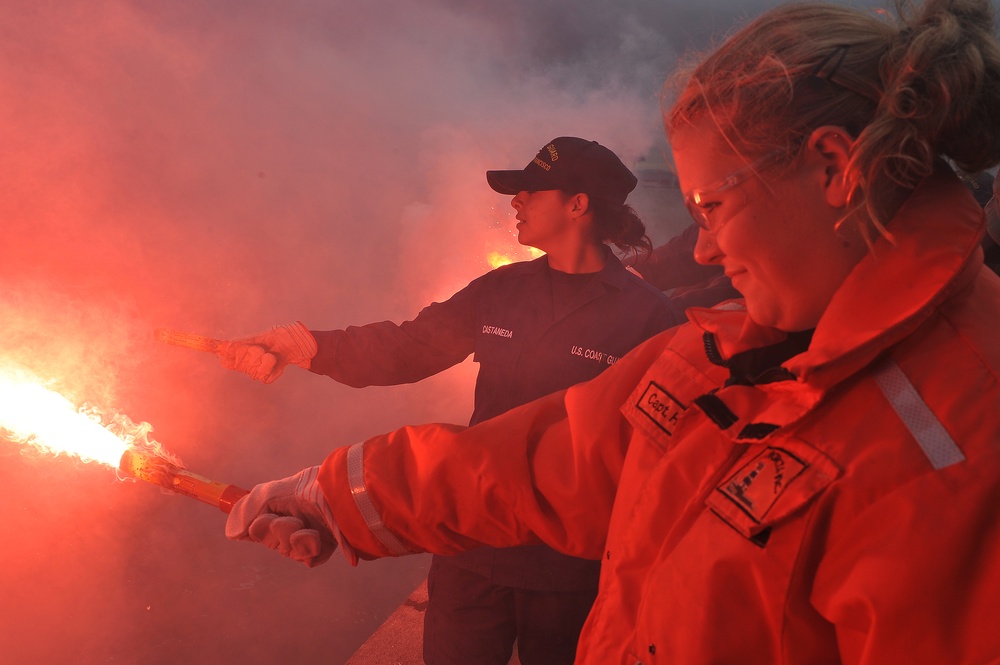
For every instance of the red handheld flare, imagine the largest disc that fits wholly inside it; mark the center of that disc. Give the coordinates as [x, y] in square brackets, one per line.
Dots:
[159, 471]
[190, 340]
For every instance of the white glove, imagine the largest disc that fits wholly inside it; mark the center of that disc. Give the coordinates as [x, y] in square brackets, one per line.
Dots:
[264, 356]
[290, 515]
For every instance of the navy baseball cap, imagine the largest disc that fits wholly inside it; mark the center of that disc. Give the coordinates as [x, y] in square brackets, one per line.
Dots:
[572, 165]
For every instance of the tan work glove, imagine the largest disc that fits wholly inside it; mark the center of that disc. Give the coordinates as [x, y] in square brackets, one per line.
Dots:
[290, 516]
[264, 356]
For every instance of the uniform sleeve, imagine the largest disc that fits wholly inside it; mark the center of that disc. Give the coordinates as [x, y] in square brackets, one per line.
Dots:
[914, 577]
[546, 472]
[672, 264]
[386, 353]
[665, 317]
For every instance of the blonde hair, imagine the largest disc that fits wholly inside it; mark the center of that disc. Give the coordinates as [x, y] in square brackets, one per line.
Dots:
[911, 88]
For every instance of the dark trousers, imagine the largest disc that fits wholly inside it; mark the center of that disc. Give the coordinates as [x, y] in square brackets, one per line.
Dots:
[470, 621]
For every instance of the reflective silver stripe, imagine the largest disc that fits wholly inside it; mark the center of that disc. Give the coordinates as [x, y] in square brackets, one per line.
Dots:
[935, 441]
[356, 477]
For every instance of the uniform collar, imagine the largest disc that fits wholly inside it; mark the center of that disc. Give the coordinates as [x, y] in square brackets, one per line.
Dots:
[613, 272]
[890, 293]
[613, 277]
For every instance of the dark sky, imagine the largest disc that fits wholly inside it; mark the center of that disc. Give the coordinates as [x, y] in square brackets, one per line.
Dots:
[220, 166]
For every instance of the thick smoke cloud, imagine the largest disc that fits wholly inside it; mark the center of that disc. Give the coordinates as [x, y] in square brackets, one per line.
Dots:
[221, 166]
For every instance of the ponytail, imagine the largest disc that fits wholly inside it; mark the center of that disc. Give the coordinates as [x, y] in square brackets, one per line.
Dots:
[621, 226]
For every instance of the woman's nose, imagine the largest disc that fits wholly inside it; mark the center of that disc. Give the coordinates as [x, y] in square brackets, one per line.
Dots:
[706, 251]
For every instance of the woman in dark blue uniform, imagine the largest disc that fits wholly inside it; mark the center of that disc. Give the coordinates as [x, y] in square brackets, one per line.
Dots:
[534, 328]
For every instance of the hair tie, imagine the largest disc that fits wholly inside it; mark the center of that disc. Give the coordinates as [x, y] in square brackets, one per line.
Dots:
[826, 72]
[827, 68]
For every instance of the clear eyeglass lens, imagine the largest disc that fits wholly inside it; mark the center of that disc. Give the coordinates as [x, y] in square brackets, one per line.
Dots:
[693, 201]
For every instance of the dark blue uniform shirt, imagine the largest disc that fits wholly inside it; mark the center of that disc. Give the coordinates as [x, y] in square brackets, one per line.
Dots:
[525, 349]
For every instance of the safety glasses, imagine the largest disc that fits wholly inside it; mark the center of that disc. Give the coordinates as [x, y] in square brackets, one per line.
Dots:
[701, 202]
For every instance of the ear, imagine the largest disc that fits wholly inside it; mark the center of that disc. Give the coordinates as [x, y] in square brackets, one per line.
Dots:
[579, 204]
[831, 146]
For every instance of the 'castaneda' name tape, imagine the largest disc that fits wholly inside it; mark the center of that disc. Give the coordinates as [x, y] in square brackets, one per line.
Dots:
[500, 332]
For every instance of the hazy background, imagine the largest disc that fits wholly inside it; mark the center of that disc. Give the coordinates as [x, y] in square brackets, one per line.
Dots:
[221, 166]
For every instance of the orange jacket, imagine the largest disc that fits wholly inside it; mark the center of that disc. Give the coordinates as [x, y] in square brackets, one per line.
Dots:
[846, 514]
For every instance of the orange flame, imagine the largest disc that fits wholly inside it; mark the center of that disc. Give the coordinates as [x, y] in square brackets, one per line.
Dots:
[33, 415]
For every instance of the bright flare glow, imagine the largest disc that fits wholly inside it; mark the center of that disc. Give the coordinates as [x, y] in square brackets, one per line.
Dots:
[34, 415]
[497, 258]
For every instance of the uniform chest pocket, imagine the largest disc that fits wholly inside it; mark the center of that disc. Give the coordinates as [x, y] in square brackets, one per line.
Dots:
[771, 483]
[660, 400]
[496, 342]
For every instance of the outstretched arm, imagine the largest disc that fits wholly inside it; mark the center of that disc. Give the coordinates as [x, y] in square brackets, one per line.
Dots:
[544, 472]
